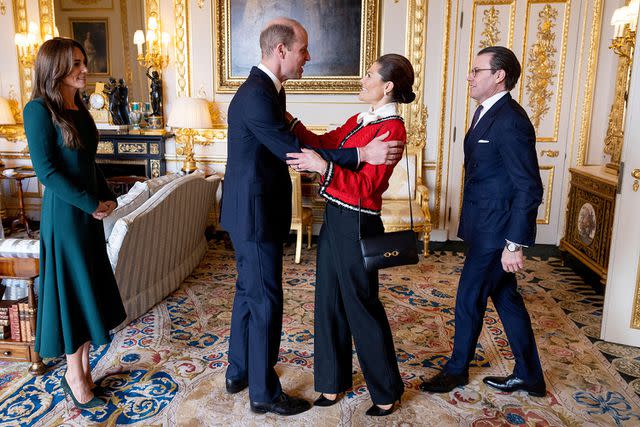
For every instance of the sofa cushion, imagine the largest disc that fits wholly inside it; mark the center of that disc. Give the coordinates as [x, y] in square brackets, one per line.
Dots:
[156, 184]
[127, 203]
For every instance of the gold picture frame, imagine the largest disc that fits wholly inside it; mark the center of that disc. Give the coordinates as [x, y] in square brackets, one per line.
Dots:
[332, 74]
[93, 34]
[86, 4]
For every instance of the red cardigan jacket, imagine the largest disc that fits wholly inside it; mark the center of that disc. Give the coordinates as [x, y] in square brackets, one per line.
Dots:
[345, 187]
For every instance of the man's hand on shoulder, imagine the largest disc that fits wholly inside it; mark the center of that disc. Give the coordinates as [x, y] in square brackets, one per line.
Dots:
[381, 152]
[512, 262]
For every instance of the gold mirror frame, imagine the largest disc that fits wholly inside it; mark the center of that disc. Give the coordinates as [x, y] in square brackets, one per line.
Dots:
[226, 83]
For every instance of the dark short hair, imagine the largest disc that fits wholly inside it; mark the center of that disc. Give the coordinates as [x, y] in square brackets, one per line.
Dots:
[504, 59]
[398, 69]
[275, 34]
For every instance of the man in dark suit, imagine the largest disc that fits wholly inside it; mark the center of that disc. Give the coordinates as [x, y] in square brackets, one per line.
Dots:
[256, 211]
[502, 192]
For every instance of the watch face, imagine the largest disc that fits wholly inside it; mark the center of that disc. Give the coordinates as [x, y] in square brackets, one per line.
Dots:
[96, 101]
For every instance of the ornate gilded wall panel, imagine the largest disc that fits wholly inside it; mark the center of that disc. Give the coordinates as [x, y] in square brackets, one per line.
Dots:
[545, 208]
[544, 50]
[21, 26]
[47, 18]
[181, 38]
[435, 215]
[126, 47]
[587, 105]
[492, 22]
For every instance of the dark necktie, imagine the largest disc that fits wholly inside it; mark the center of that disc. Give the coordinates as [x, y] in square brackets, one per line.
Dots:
[476, 116]
[282, 99]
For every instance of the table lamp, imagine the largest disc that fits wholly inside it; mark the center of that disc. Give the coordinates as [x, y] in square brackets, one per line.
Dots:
[187, 115]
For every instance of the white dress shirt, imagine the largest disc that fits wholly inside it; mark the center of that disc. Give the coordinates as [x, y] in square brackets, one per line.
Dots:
[371, 115]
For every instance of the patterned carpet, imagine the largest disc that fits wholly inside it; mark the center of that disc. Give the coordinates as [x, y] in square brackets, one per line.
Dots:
[167, 368]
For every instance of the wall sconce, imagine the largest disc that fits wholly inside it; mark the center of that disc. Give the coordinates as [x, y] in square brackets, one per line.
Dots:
[28, 44]
[157, 45]
[625, 22]
[188, 115]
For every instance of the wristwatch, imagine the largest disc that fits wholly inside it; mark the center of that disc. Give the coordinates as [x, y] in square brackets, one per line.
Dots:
[513, 247]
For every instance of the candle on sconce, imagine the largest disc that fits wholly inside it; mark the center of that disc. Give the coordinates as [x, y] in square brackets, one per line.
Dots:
[138, 40]
[153, 23]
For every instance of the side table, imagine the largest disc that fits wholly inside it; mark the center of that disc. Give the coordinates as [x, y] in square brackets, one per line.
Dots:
[22, 218]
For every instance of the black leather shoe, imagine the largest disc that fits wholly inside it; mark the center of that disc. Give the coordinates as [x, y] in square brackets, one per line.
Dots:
[376, 411]
[323, 401]
[513, 383]
[283, 405]
[444, 383]
[236, 386]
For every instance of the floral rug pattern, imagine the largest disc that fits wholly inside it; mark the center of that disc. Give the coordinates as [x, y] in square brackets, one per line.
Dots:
[167, 367]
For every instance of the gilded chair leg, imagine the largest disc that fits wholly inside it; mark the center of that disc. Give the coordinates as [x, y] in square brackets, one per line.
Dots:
[298, 244]
[425, 244]
[309, 230]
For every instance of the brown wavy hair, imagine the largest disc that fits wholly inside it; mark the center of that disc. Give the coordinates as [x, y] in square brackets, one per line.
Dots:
[54, 62]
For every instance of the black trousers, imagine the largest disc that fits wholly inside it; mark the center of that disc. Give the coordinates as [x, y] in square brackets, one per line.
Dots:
[346, 305]
[483, 277]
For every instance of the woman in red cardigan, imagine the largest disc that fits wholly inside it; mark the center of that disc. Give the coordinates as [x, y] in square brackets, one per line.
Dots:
[346, 299]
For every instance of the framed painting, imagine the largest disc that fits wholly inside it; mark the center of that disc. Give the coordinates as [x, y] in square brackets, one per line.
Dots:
[86, 4]
[93, 34]
[343, 41]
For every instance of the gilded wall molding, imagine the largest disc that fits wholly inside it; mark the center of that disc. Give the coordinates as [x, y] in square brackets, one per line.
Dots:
[21, 26]
[47, 18]
[541, 67]
[435, 217]
[182, 42]
[562, 59]
[587, 105]
[126, 47]
[152, 8]
[635, 315]
[491, 32]
[415, 114]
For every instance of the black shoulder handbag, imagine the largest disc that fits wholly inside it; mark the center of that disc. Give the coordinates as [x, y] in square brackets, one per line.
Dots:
[390, 249]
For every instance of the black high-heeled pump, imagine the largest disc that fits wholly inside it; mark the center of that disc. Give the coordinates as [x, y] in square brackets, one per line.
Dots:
[324, 402]
[93, 403]
[376, 411]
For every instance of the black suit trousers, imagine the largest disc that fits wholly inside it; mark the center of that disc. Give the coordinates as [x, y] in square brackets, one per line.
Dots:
[483, 277]
[346, 305]
[256, 318]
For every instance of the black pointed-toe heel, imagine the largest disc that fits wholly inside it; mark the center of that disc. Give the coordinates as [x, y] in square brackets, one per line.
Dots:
[376, 411]
[93, 403]
[324, 402]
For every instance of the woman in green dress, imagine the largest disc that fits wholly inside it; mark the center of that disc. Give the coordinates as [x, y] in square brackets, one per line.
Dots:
[79, 300]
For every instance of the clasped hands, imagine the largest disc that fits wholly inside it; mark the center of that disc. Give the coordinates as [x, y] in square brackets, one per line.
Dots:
[104, 209]
[377, 152]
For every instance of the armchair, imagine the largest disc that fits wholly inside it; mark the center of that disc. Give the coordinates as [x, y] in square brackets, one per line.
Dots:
[395, 201]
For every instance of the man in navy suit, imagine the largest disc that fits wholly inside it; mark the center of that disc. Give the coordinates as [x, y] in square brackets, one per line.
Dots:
[502, 192]
[256, 211]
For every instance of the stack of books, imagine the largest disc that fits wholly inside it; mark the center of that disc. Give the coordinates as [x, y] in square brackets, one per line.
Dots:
[15, 320]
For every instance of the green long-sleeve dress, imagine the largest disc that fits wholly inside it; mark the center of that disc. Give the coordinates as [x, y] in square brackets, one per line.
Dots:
[78, 298]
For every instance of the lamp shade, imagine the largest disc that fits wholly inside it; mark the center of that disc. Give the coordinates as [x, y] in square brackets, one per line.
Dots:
[190, 113]
[6, 116]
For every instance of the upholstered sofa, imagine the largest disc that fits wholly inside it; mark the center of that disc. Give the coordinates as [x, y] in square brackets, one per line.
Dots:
[155, 237]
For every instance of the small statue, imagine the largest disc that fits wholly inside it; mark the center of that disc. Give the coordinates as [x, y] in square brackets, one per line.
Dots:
[156, 92]
[112, 92]
[123, 92]
[84, 96]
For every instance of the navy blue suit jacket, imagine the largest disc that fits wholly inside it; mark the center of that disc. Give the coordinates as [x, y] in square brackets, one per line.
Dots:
[502, 185]
[256, 203]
